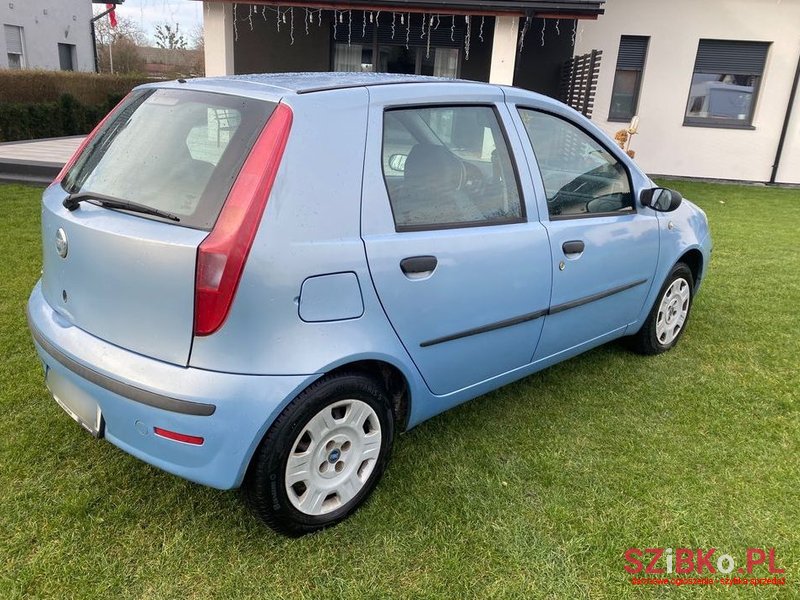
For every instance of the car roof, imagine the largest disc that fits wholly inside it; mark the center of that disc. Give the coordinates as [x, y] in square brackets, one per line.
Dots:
[305, 83]
[274, 86]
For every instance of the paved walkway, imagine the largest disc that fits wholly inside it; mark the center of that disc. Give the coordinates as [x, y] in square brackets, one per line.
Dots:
[36, 161]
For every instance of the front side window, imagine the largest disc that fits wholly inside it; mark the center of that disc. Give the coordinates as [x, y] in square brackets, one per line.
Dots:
[581, 177]
[174, 150]
[448, 167]
[726, 78]
[628, 77]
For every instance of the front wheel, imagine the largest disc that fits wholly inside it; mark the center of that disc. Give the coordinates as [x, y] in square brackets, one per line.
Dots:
[323, 456]
[667, 319]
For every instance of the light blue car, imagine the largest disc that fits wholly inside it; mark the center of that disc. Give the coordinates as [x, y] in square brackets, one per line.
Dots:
[259, 280]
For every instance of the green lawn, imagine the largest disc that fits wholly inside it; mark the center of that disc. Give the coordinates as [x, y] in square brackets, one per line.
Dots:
[535, 490]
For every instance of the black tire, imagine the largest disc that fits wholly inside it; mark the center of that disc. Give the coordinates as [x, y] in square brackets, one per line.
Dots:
[646, 340]
[265, 484]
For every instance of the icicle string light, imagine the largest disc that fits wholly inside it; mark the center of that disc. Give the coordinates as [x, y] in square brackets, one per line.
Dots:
[525, 28]
[544, 24]
[429, 22]
[574, 31]
[428, 43]
[467, 38]
[558, 31]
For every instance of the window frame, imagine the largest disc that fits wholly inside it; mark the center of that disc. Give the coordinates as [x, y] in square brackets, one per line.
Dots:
[71, 51]
[637, 88]
[22, 54]
[634, 196]
[710, 122]
[523, 218]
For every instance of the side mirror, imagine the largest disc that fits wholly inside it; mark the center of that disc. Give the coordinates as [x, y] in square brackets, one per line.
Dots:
[661, 199]
[397, 162]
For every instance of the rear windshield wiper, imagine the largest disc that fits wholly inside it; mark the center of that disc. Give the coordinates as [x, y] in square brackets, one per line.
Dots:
[73, 200]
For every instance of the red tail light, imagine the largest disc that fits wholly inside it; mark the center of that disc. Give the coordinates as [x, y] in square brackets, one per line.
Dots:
[71, 162]
[178, 437]
[222, 255]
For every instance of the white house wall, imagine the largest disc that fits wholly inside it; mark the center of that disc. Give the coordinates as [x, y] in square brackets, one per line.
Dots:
[46, 23]
[664, 145]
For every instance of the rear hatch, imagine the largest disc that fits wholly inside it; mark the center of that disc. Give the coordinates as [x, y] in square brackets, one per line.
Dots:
[127, 276]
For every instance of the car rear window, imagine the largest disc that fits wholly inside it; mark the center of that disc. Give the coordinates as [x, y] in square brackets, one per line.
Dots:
[171, 149]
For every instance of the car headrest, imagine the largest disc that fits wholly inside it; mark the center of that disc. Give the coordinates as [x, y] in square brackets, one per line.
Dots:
[431, 168]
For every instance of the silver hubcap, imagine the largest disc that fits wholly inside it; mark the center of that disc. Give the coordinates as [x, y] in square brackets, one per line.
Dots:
[333, 457]
[672, 311]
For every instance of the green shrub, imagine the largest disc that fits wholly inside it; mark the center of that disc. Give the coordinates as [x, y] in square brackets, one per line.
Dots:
[41, 104]
[49, 86]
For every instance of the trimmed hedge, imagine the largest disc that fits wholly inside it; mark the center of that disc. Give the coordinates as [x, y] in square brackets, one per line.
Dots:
[41, 104]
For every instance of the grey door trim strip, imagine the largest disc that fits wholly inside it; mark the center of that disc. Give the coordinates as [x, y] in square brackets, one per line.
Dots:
[485, 328]
[534, 315]
[594, 297]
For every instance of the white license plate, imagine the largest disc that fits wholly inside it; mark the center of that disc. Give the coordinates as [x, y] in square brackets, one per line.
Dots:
[77, 403]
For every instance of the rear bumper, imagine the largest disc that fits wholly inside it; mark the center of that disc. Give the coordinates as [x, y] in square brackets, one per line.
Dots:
[135, 394]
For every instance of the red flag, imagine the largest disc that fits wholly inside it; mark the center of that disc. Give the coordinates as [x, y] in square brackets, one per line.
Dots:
[112, 16]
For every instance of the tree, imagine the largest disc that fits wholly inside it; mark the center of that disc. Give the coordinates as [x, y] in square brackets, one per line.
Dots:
[197, 37]
[126, 27]
[170, 37]
[119, 46]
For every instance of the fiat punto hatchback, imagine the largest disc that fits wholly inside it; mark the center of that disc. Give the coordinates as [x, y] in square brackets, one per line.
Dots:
[258, 281]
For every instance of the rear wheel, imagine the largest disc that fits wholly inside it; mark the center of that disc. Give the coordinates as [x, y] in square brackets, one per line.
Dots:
[323, 456]
[667, 319]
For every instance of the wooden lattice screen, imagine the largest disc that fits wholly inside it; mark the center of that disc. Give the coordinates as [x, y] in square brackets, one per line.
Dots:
[579, 81]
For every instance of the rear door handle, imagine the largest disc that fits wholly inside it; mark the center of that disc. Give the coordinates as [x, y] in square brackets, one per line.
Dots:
[573, 247]
[418, 266]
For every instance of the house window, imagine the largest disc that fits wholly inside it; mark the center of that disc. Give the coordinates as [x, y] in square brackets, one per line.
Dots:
[725, 83]
[14, 51]
[66, 57]
[628, 78]
[379, 47]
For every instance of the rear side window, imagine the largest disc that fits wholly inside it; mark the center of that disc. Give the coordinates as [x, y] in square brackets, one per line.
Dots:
[174, 150]
[448, 167]
[581, 178]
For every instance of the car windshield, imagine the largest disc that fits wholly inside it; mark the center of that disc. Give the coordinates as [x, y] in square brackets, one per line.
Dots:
[173, 150]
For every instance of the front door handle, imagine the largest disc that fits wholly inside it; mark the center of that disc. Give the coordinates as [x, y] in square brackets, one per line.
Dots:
[418, 266]
[573, 247]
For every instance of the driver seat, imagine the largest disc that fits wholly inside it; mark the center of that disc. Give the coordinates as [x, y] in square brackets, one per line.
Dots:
[431, 180]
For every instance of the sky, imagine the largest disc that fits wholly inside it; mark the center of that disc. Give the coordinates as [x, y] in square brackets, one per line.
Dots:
[149, 13]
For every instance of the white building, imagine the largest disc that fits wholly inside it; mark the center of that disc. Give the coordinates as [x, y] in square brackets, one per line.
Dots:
[46, 34]
[711, 81]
